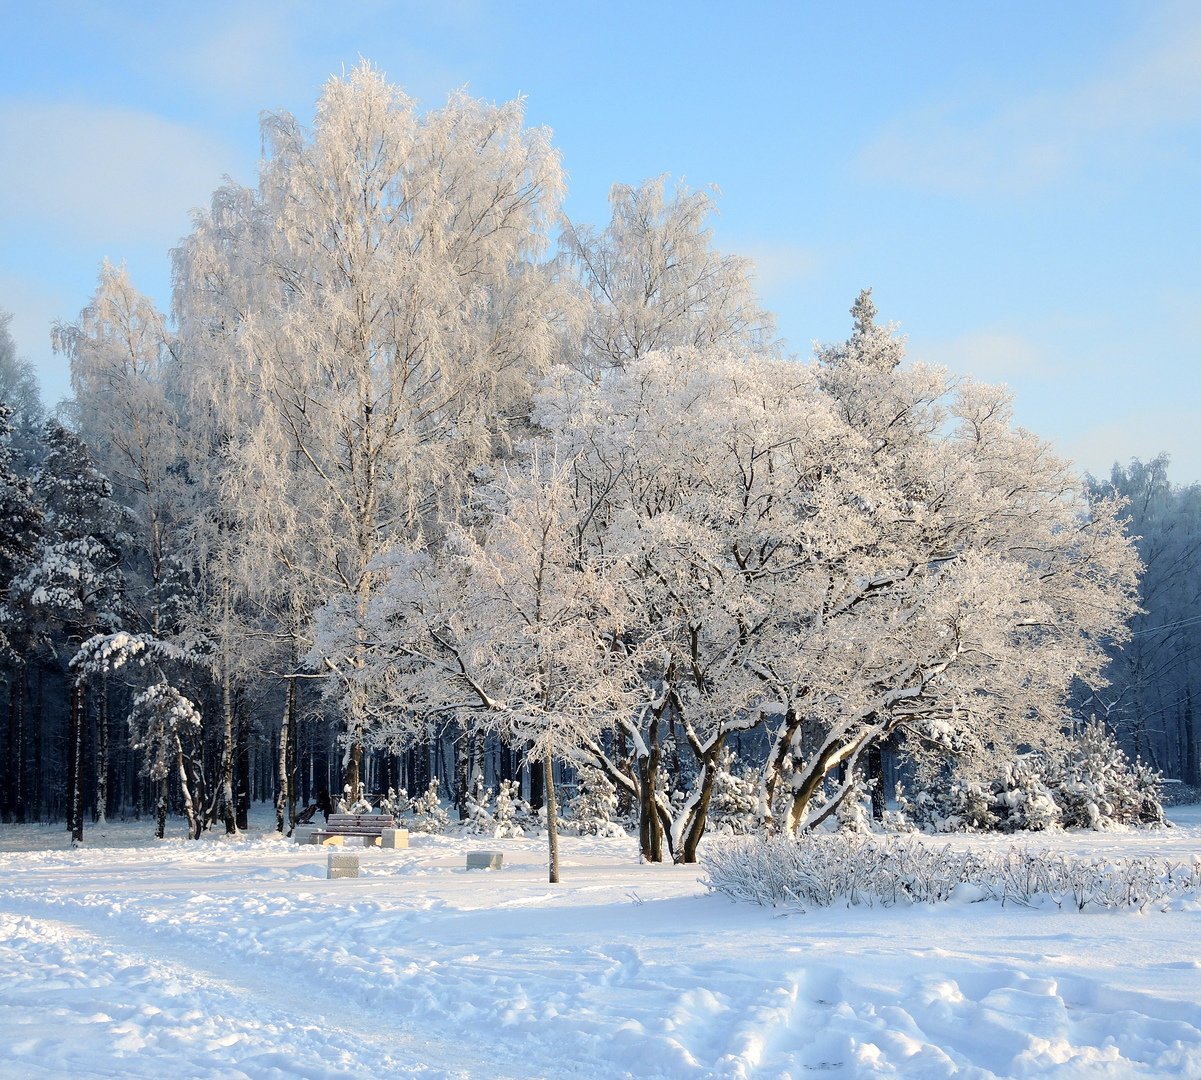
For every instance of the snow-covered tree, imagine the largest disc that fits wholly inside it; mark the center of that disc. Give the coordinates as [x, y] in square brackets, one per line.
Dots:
[1096, 786]
[654, 281]
[18, 384]
[1152, 701]
[734, 808]
[20, 524]
[429, 815]
[72, 585]
[521, 639]
[122, 375]
[594, 805]
[512, 811]
[161, 724]
[368, 322]
[843, 554]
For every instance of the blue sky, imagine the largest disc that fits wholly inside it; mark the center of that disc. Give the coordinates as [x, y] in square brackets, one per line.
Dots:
[1018, 182]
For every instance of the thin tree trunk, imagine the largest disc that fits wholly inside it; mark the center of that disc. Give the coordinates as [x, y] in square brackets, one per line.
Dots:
[552, 816]
[101, 814]
[284, 798]
[75, 762]
[189, 807]
[160, 812]
[700, 812]
[228, 749]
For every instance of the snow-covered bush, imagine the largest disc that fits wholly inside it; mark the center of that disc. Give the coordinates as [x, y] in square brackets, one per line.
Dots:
[854, 812]
[595, 805]
[1022, 798]
[512, 812]
[734, 806]
[823, 869]
[1097, 786]
[395, 802]
[1092, 785]
[429, 815]
[956, 806]
[480, 818]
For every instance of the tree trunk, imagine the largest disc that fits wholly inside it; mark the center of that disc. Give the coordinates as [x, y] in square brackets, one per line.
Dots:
[75, 761]
[650, 832]
[874, 767]
[101, 814]
[242, 765]
[552, 816]
[461, 747]
[189, 807]
[285, 799]
[537, 798]
[700, 812]
[228, 749]
[160, 813]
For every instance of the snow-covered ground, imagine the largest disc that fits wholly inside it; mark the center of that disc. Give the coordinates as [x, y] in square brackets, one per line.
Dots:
[131, 958]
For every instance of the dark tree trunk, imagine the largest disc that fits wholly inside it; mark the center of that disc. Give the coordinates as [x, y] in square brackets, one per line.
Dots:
[650, 831]
[874, 768]
[537, 798]
[700, 813]
[101, 812]
[242, 772]
[552, 816]
[461, 751]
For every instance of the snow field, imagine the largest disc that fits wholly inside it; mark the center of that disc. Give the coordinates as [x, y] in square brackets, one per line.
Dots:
[239, 959]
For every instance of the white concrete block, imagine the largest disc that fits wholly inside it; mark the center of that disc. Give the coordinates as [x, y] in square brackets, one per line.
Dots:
[394, 838]
[484, 860]
[340, 864]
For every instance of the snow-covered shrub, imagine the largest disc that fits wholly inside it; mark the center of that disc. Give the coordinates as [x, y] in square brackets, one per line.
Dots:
[1093, 785]
[595, 805]
[822, 869]
[395, 802]
[1097, 786]
[854, 812]
[429, 815]
[1022, 799]
[956, 806]
[734, 806]
[480, 818]
[512, 812]
[354, 803]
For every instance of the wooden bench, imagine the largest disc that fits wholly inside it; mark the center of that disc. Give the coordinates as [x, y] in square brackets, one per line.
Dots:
[370, 827]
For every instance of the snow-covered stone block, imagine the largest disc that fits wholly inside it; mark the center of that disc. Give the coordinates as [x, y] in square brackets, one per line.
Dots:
[484, 860]
[341, 864]
[394, 838]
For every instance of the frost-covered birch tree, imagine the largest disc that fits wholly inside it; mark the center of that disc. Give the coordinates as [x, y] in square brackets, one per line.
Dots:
[368, 321]
[654, 281]
[125, 408]
[515, 629]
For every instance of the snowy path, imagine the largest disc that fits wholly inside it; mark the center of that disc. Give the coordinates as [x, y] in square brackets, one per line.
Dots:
[241, 960]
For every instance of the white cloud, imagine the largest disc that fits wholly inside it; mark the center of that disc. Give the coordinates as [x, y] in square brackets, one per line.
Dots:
[969, 148]
[277, 54]
[100, 174]
[781, 264]
[989, 356]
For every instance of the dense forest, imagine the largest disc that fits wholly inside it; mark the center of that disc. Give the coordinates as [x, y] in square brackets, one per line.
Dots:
[421, 482]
